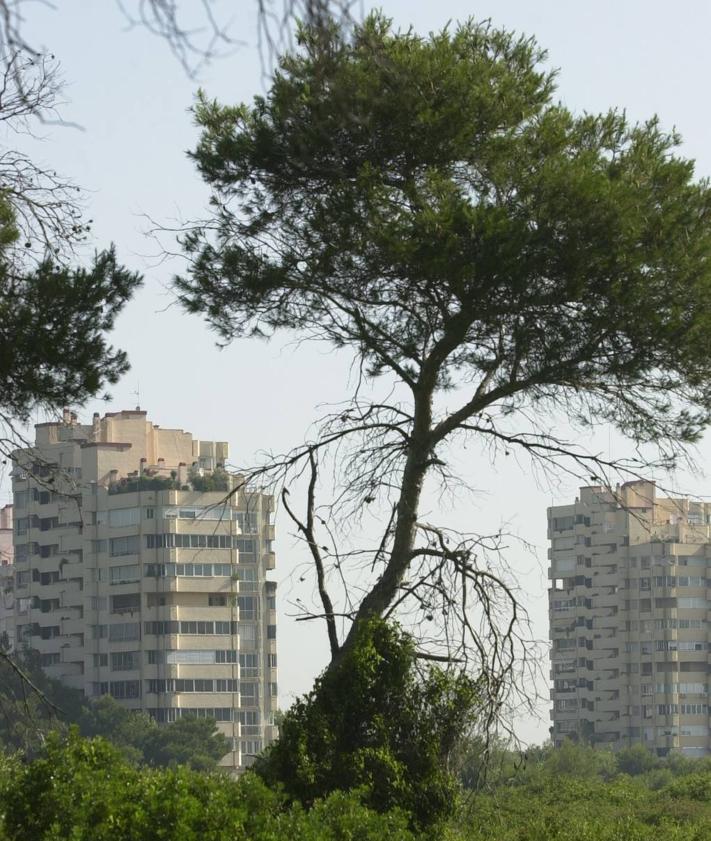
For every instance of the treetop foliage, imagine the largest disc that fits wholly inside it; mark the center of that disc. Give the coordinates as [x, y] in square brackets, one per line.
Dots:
[426, 202]
[53, 324]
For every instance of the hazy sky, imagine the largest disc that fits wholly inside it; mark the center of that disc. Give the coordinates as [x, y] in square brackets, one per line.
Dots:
[132, 99]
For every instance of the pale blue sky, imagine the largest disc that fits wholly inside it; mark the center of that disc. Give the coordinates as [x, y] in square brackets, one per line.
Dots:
[132, 98]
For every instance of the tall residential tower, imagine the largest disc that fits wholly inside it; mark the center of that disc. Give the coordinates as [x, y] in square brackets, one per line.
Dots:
[138, 575]
[629, 619]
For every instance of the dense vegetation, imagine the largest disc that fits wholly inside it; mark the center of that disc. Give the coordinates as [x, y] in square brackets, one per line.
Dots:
[87, 791]
[33, 705]
[384, 755]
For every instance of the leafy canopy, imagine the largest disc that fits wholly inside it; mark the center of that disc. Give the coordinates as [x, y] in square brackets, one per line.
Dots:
[53, 325]
[426, 202]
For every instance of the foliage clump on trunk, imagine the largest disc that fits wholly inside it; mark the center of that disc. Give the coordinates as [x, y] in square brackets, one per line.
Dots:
[377, 724]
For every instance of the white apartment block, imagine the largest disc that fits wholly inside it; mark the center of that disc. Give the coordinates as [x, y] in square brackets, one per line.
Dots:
[138, 576]
[629, 619]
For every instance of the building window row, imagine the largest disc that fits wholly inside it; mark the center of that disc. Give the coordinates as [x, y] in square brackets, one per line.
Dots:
[120, 632]
[681, 645]
[682, 688]
[174, 626]
[120, 689]
[171, 540]
[677, 581]
[673, 624]
[188, 570]
[694, 709]
[166, 715]
[161, 686]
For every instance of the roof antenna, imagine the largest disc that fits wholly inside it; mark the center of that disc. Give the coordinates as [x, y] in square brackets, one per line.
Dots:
[137, 392]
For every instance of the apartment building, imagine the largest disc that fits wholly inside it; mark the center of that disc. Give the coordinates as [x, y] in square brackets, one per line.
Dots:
[7, 579]
[138, 575]
[629, 619]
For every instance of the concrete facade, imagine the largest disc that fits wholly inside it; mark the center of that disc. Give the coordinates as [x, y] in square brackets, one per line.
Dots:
[137, 576]
[629, 619]
[7, 579]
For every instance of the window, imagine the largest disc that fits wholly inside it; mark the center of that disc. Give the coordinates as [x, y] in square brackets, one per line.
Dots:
[125, 574]
[124, 517]
[693, 602]
[170, 714]
[126, 603]
[48, 605]
[694, 709]
[190, 541]
[271, 632]
[246, 547]
[226, 685]
[248, 521]
[162, 628]
[50, 659]
[188, 570]
[249, 666]
[226, 656]
[125, 661]
[247, 607]
[250, 747]
[190, 628]
[125, 688]
[272, 661]
[247, 633]
[692, 645]
[217, 599]
[247, 577]
[191, 656]
[125, 631]
[101, 661]
[694, 730]
[119, 546]
[249, 693]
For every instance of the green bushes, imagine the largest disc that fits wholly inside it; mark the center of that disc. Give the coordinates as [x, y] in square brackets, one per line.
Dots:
[83, 790]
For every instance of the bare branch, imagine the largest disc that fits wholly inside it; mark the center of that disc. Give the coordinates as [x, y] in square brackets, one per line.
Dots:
[307, 530]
